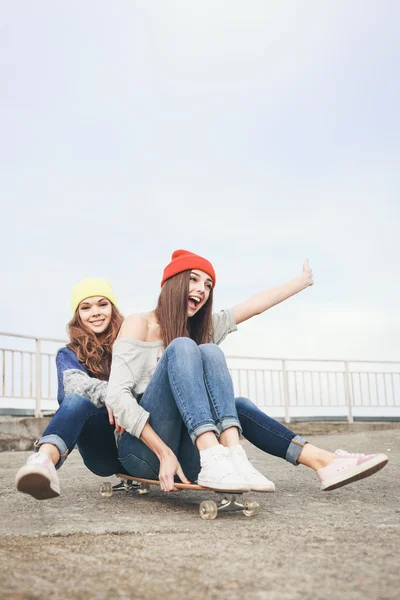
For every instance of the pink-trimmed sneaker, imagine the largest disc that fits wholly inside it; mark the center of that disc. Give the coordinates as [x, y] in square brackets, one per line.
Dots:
[347, 467]
[38, 478]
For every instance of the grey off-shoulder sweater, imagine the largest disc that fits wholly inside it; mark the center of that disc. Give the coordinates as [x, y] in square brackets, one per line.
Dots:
[133, 365]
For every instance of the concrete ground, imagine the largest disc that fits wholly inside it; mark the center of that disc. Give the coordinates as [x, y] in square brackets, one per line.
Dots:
[304, 543]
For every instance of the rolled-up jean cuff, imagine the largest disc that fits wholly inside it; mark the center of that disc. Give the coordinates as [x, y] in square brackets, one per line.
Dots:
[203, 428]
[227, 422]
[295, 447]
[57, 442]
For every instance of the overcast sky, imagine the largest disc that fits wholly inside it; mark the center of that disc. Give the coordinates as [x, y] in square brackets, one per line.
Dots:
[256, 133]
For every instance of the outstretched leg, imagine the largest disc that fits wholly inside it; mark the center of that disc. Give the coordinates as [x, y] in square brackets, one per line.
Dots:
[333, 469]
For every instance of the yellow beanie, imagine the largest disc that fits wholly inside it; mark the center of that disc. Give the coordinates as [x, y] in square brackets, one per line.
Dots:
[91, 287]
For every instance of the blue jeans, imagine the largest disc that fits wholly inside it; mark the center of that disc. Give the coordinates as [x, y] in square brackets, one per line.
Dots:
[79, 422]
[190, 393]
[268, 434]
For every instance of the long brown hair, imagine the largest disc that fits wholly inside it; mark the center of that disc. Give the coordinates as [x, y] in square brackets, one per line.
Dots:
[94, 351]
[171, 312]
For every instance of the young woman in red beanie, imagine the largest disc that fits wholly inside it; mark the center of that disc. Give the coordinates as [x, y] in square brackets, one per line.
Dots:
[171, 390]
[83, 368]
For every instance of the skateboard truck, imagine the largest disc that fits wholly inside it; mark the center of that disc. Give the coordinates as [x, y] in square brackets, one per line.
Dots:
[228, 503]
[125, 485]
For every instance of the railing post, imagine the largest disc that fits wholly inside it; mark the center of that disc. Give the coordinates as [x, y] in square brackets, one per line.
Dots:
[347, 392]
[38, 398]
[285, 391]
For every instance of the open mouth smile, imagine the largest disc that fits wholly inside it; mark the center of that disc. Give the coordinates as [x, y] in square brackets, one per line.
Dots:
[194, 302]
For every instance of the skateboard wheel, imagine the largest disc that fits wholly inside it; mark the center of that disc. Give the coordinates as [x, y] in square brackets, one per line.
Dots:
[251, 508]
[208, 510]
[106, 489]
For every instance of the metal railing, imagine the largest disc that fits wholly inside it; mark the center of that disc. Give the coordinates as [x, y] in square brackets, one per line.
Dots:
[286, 388]
[27, 372]
[328, 388]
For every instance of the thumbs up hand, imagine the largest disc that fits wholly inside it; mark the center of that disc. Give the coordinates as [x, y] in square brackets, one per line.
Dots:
[307, 274]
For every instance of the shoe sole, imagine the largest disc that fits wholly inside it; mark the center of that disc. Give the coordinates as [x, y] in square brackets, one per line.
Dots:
[36, 483]
[222, 488]
[255, 488]
[364, 470]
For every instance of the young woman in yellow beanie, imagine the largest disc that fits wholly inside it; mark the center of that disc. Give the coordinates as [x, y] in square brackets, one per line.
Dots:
[171, 390]
[83, 368]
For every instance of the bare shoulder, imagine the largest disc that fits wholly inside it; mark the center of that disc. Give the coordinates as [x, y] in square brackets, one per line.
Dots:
[135, 326]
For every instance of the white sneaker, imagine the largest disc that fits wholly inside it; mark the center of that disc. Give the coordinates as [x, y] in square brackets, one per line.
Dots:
[256, 480]
[38, 478]
[219, 472]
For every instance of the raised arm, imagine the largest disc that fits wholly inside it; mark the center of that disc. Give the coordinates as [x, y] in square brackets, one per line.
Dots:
[262, 301]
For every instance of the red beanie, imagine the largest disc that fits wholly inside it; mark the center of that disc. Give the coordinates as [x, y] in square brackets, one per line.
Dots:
[182, 260]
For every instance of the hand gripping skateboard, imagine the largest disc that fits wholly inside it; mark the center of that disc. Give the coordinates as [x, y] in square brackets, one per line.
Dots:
[208, 509]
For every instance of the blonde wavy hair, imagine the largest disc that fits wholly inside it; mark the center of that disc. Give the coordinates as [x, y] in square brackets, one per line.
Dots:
[95, 352]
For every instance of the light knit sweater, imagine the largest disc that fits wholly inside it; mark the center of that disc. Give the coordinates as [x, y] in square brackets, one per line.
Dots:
[133, 365]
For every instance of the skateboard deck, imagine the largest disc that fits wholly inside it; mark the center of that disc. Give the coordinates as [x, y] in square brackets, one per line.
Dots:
[208, 509]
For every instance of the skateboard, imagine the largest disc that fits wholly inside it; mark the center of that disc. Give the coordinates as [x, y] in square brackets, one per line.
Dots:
[208, 509]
